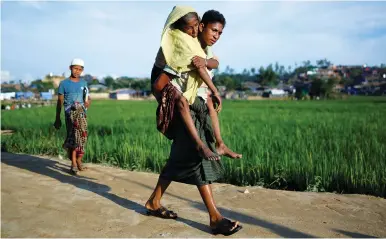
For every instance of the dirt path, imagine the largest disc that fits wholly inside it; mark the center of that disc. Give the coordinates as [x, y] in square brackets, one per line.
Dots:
[40, 199]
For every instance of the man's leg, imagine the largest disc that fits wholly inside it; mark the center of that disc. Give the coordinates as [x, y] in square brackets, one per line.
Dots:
[154, 202]
[214, 215]
[221, 148]
[183, 108]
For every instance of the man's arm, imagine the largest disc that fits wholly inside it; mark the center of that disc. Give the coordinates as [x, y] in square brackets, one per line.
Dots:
[59, 104]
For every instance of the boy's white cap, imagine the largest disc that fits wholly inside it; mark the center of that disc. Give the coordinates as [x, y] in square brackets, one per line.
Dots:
[77, 62]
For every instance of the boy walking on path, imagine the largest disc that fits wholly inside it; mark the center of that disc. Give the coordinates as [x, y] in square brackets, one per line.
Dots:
[73, 95]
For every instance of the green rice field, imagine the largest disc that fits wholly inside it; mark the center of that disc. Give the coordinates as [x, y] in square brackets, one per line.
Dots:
[335, 146]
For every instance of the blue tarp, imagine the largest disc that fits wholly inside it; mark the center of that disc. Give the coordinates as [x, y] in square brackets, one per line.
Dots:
[24, 95]
[28, 95]
[19, 95]
[45, 95]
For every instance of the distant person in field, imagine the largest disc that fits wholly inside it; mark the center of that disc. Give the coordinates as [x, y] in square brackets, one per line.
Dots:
[186, 164]
[208, 32]
[73, 95]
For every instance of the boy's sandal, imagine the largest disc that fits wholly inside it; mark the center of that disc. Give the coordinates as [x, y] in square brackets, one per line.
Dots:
[162, 212]
[225, 226]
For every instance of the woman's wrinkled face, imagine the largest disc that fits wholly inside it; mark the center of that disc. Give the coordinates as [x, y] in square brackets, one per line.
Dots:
[191, 27]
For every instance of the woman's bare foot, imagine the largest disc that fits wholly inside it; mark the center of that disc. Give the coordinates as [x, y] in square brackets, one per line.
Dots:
[206, 153]
[222, 149]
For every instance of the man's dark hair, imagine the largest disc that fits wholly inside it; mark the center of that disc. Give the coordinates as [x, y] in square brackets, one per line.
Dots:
[213, 16]
[181, 23]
